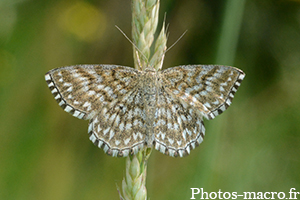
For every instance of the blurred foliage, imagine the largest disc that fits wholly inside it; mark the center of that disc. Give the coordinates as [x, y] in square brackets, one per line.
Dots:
[45, 153]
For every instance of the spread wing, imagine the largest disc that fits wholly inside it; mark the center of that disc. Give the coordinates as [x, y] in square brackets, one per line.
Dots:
[108, 95]
[178, 126]
[119, 128]
[83, 90]
[208, 88]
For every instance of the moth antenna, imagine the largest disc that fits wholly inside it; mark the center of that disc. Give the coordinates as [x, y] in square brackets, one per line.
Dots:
[132, 43]
[176, 41]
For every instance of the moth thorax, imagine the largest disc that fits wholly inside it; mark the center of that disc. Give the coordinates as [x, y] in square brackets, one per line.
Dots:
[149, 82]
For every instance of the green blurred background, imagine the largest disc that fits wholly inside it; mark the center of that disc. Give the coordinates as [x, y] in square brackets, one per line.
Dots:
[254, 146]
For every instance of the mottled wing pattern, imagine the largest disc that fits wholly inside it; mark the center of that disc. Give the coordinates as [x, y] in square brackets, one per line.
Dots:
[114, 99]
[178, 127]
[208, 88]
[84, 89]
[110, 96]
[119, 128]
